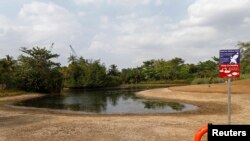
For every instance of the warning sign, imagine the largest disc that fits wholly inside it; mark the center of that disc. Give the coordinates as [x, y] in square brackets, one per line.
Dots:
[229, 63]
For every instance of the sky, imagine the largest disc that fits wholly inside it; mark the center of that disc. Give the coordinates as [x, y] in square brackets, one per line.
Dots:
[124, 32]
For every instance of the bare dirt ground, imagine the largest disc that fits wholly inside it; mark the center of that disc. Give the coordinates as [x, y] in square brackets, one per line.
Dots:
[41, 125]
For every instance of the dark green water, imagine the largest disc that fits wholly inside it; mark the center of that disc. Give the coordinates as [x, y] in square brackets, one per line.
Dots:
[115, 101]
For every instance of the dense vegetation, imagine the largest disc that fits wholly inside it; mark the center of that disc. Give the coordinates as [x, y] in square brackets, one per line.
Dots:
[35, 71]
[89, 73]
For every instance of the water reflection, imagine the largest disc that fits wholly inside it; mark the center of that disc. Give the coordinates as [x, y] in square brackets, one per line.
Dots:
[161, 105]
[118, 101]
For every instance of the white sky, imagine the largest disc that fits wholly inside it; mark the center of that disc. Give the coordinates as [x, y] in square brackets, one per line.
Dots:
[125, 32]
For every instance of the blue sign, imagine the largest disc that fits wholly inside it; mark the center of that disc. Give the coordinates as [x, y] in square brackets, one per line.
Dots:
[231, 56]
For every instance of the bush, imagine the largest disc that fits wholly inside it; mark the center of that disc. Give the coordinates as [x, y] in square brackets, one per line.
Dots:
[244, 76]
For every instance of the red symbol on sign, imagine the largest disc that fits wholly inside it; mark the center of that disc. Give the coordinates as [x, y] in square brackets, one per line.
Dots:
[227, 71]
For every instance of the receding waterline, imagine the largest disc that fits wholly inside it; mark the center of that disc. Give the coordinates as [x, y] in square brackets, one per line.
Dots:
[118, 101]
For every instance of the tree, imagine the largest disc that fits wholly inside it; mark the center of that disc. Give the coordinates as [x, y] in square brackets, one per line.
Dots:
[7, 71]
[126, 75]
[207, 69]
[38, 72]
[76, 72]
[148, 70]
[82, 73]
[175, 68]
[113, 70]
[113, 76]
[245, 56]
[162, 70]
[95, 74]
[132, 75]
[184, 73]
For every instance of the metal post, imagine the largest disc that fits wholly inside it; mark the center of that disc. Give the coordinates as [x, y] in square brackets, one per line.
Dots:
[229, 100]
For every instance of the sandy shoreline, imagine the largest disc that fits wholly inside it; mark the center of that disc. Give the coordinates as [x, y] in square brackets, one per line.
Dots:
[36, 125]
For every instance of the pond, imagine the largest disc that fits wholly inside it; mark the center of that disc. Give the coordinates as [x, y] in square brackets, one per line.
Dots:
[108, 101]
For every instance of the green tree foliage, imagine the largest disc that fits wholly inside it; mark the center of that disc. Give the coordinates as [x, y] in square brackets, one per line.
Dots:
[164, 70]
[207, 69]
[37, 72]
[8, 68]
[113, 70]
[132, 75]
[245, 57]
[114, 76]
[96, 74]
[34, 70]
[75, 72]
[148, 70]
[170, 70]
[126, 75]
[90, 73]
[176, 67]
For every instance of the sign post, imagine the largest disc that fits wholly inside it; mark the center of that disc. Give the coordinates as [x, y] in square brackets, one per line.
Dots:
[229, 100]
[229, 67]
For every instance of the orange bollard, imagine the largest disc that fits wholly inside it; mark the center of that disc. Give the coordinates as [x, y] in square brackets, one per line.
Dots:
[200, 133]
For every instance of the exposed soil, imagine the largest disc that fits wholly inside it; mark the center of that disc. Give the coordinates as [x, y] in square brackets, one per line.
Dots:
[18, 124]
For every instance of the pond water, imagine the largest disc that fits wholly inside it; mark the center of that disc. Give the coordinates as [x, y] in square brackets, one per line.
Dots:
[112, 101]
